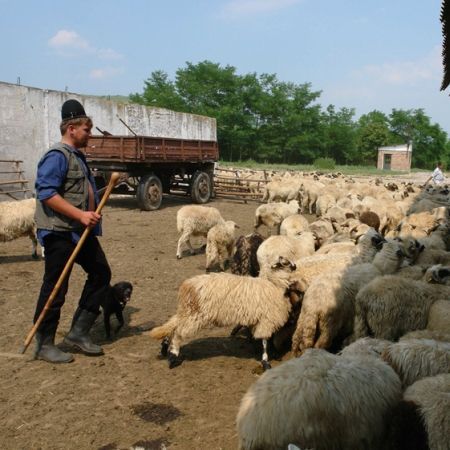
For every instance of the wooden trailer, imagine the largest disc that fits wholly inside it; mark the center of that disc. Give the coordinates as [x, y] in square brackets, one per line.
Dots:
[152, 166]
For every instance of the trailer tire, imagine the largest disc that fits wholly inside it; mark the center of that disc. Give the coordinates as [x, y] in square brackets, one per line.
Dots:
[200, 187]
[149, 192]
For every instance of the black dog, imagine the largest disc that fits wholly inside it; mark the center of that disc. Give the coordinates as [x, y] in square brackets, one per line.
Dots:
[115, 300]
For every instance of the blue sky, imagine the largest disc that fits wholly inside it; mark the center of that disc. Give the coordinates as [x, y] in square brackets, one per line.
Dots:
[364, 54]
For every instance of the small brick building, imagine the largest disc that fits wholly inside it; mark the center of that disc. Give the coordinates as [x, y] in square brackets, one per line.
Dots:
[395, 157]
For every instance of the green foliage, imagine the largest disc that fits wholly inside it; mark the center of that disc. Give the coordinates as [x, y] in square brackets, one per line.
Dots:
[325, 163]
[263, 119]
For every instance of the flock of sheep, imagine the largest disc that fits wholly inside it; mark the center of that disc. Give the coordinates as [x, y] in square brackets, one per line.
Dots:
[360, 296]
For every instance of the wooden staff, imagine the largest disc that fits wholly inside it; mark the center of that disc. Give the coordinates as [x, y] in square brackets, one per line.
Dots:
[112, 182]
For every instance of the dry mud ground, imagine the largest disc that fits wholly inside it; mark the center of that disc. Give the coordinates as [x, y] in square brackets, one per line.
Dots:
[126, 397]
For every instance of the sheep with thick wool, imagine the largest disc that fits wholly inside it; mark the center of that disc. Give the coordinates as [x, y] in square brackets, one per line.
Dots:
[292, 248]
[195, 220]
[284, 190]
[422, 419]
[309, 193]
[413, 359]
[219, 244]
[321, 401]
[272, 214]
[228, 300]
[17, 220]
[293, 225]
[310, 267]
[391, 306]
[427, 334]
[327, 313]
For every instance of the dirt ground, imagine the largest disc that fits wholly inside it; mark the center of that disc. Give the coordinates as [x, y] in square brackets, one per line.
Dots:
[127, 397]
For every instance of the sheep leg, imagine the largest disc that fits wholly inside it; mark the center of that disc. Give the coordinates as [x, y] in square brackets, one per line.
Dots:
[265, 357]
[173, 356]
[184, 239]
[34, 254]
[236, 330]
[164, 348]
[211, 255]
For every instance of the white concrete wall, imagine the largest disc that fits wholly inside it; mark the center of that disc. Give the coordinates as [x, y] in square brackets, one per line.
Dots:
[30, 118]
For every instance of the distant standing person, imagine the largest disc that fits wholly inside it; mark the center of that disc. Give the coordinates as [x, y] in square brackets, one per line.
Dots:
[65, 206]
[437, 176]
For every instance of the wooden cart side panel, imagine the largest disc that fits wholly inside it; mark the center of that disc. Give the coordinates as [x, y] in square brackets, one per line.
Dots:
[149, 149]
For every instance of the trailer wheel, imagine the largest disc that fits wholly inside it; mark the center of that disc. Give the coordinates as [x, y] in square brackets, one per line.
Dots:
[149, 192]
[200, 187]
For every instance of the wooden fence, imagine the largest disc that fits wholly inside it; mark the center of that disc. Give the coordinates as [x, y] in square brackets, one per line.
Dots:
[236, 184]
[12, 181]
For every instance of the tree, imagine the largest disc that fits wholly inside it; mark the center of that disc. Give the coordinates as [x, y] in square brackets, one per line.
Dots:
[429, 140]
[339, 134]
[372, 132]
[160, 92]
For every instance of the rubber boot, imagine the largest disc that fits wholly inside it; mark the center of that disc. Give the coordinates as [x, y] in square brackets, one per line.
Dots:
[48, 351]
[79, 333]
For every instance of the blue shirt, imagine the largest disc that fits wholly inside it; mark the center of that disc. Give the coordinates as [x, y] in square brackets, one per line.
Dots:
[51, 173]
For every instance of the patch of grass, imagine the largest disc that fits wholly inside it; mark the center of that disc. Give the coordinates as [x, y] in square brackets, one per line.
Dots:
[347, 170]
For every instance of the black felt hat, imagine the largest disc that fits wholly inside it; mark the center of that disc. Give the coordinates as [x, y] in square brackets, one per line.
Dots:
[72, 109]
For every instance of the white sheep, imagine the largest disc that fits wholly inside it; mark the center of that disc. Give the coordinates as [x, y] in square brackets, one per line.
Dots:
[324, 203]
[293, 225]
[17, 220]
[292, 248]
[195, 220]
[328, 306]
[422, 419]
[337, 247]
[272, 214]
[284, 190]
[219, 244]
[321, 401]
[312, 266]
[390, 306]
[309, 192]
[413, 359]
[322, 228]
[228, 300]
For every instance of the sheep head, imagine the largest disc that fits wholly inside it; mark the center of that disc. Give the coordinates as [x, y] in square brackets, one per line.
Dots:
[411, 247]
[438, 274]
[284, 264]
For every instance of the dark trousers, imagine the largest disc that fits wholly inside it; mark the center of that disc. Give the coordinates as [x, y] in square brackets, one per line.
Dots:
[93, 261]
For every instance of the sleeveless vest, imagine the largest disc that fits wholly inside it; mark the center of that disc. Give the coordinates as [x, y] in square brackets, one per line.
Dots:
[75, 190]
